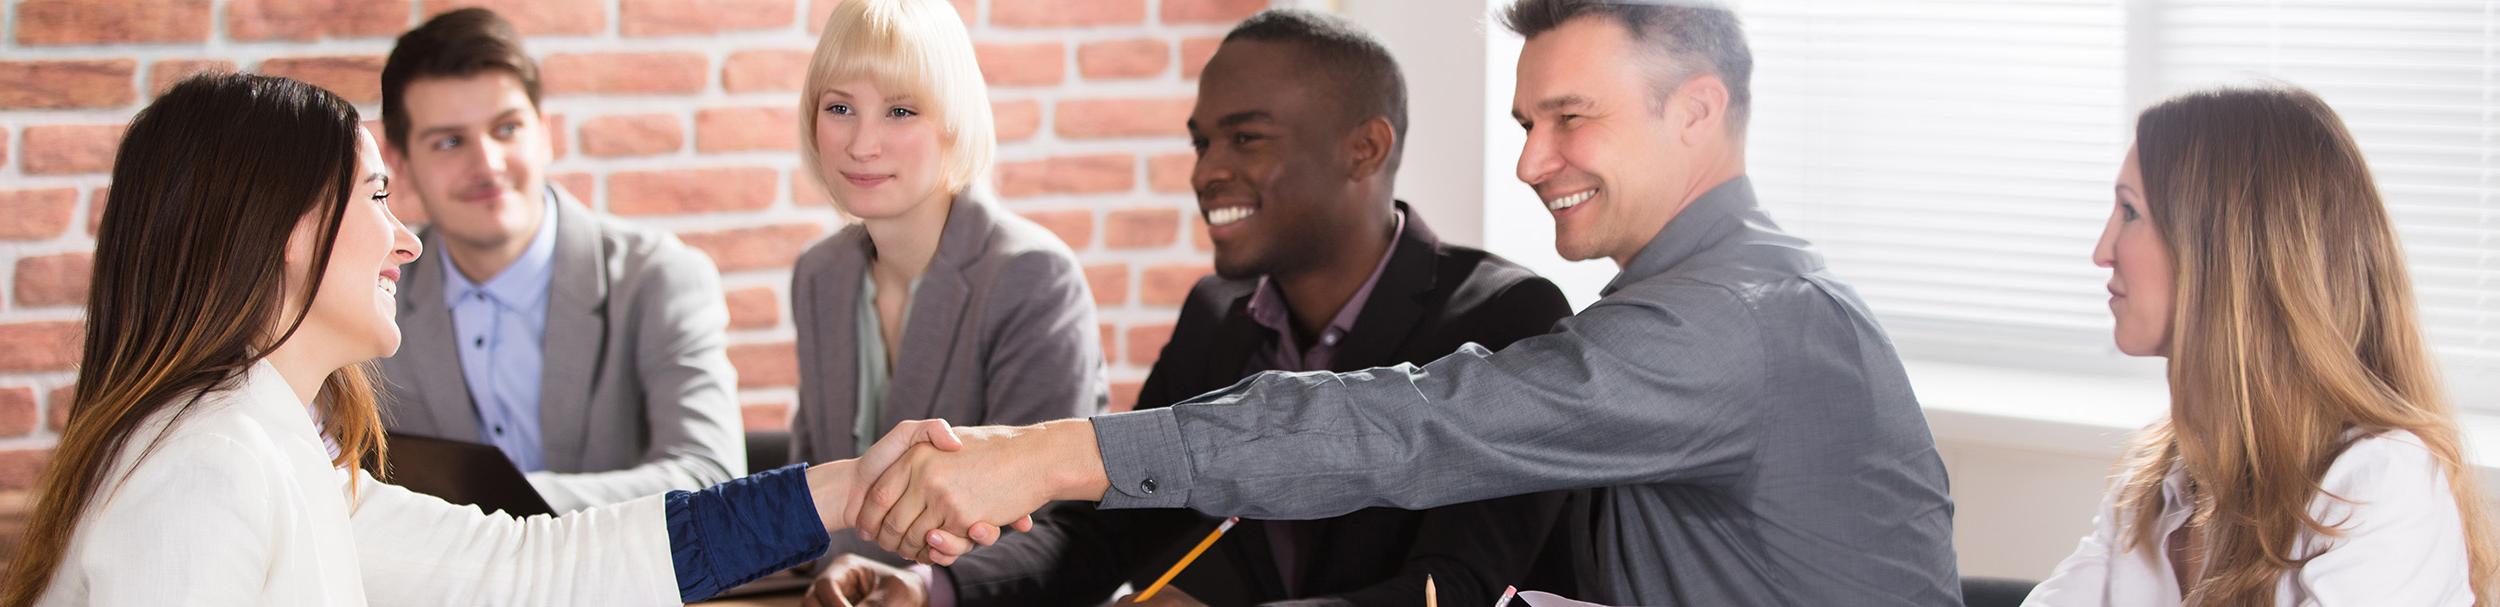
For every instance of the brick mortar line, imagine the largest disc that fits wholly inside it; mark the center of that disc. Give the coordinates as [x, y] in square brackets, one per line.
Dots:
[716, 45]
[1121, 319]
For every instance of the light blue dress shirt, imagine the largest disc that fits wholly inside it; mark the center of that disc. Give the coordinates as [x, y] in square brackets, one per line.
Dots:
[502, 327]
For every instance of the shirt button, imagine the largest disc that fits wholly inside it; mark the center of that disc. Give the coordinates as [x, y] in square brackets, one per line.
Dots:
[1146, 486]
[499, 430]
[481, 342]
[1328, 340]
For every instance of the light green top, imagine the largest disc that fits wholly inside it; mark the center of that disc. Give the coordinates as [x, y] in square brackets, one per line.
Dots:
[874, 371]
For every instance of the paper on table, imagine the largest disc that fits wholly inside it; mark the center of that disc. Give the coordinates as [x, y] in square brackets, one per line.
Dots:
[1536, 598]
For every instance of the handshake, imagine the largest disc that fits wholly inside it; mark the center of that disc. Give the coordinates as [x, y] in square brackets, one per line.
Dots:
[932, 493]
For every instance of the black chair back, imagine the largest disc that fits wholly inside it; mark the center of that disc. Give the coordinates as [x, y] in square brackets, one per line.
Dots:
[1995, 591]
[767, 449]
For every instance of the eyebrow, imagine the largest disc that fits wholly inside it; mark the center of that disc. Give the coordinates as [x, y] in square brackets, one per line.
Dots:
[2123, 189]
[1236, 119]
[1552, 104]
[383, 178]
[1240, 118]
[431, 131]
[895, 100]
[1563, 102]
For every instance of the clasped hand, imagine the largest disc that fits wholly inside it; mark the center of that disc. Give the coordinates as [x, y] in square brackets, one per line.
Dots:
[932, 493]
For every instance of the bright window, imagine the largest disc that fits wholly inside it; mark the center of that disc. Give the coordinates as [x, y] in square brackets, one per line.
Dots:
[1954, 158]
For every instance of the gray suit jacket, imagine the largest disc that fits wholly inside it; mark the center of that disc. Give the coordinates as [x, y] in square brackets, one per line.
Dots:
[1001, 331]
[638, 397]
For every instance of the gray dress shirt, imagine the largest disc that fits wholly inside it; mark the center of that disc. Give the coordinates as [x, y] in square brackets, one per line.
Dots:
[1748, 430]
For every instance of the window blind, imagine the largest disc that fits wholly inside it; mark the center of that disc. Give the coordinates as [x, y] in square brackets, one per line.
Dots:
[1954, 159]
[2418, 82]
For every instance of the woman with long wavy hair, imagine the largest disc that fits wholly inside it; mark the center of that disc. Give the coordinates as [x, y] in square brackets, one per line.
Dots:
[2309, 456]
[244, 274]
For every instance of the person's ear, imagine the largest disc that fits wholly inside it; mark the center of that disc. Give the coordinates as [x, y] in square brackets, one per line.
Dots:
[1368, 148]
[300, 245]
[1700, 109]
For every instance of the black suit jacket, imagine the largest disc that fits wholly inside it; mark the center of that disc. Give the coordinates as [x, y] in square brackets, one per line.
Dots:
[1430, 299]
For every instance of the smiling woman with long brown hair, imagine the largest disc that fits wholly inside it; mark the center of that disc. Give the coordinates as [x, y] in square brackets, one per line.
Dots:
[245, 272]
[2309, 456]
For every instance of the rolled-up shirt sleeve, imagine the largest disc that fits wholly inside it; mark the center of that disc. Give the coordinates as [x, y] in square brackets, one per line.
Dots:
[1654, 383]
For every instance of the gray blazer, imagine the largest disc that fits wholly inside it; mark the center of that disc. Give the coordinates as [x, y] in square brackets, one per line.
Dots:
[638, 397]
[1001, 331]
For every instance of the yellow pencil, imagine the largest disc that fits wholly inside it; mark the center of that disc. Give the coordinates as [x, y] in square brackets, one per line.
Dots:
[1185, 559]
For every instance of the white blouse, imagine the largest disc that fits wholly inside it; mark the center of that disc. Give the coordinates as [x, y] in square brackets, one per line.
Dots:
[238, 505]
[2403, 542]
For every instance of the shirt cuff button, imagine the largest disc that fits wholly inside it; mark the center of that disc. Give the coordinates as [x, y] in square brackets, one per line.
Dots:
[1146, 486]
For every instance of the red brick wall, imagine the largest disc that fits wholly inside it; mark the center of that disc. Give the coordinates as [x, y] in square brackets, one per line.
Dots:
[674, 113]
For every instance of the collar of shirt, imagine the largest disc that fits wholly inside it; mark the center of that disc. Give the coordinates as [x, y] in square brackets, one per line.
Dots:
[1692, 229]
[1268, 309]
[321, 424]
[521, 286]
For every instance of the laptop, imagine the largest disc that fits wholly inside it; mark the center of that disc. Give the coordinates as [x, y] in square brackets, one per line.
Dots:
[464, 473]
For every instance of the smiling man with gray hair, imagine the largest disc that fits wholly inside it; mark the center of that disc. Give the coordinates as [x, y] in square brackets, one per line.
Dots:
[1747, 430]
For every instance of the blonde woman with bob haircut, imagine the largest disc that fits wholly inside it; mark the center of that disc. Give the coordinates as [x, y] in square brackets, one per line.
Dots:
[2309, 457]
[934, 303]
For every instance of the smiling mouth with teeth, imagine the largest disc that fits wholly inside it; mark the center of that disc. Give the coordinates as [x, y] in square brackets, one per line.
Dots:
[1228, 215]
[1566, 202]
